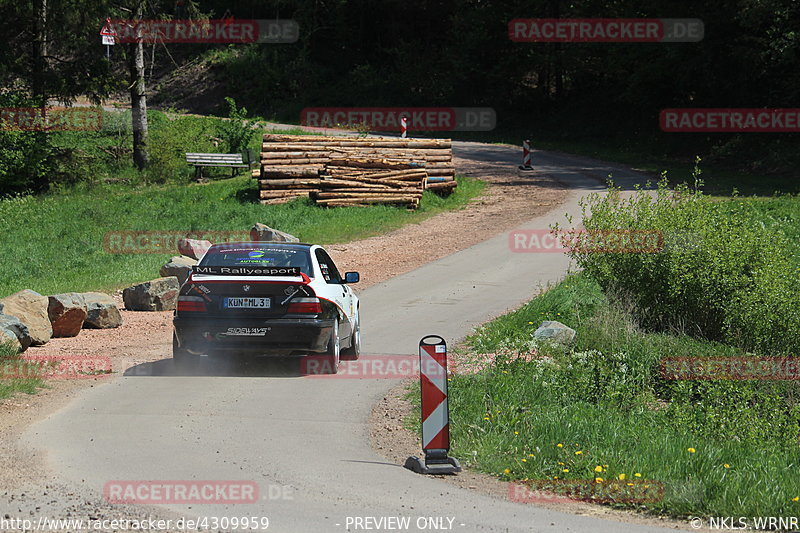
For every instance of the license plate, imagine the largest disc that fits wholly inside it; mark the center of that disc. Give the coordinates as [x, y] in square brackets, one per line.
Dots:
[247, 303]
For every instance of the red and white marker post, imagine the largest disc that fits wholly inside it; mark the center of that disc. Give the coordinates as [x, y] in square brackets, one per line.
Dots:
[403, 126]
[526, 155]
[435, 413]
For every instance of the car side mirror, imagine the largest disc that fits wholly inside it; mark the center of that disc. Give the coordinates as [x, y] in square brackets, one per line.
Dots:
[352, 277]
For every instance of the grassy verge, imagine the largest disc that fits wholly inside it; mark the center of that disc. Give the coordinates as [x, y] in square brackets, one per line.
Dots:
[10, 381]
[601, 411]
[54, 242]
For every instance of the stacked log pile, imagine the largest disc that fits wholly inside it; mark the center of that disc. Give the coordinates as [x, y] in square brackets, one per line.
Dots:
[349, 182]
[387, 170]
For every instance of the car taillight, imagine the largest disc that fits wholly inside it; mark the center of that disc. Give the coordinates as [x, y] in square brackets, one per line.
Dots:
[192, 304]
[305, 305]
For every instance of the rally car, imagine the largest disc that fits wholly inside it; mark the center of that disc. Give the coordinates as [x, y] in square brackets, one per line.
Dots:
[262, 299]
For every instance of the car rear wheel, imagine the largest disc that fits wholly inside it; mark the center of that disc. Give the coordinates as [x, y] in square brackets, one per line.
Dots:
[330, 362]
[352, 353]
[181, 358]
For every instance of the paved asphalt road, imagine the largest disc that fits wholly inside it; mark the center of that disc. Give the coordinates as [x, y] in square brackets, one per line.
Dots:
[276, 429]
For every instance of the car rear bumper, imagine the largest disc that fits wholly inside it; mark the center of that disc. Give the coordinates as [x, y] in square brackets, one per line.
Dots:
[253, 336]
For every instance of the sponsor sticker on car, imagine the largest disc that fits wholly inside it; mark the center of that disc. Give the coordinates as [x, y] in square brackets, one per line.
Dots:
[246, 332]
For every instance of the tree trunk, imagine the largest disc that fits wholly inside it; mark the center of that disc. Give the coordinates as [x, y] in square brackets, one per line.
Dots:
[138, 97]
[39, 64]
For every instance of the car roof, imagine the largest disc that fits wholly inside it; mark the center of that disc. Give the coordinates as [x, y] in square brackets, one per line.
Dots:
[221, 247]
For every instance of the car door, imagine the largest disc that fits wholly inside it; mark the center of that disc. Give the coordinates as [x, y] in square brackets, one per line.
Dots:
[342, 294]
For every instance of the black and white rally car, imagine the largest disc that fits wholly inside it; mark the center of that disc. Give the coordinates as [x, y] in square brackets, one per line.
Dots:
[260, 298]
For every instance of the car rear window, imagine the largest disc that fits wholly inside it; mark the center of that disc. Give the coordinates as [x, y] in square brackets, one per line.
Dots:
[260, 256]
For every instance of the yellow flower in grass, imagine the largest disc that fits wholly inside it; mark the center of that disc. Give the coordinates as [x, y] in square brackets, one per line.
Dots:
[531, 455]
[598, 468]
[691, 450]
[565, 470]
[560, 445]
[630, 484]
[524, 460]
[598, 480]
[506, 471]
[637, 474]
[621, 477]
[579, 452]
[516, 433]
[486, 418]
[530, 322]
[796, 499]
[726, 465]
[562, 464]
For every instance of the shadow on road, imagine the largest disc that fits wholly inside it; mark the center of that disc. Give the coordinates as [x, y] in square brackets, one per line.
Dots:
[287, 367]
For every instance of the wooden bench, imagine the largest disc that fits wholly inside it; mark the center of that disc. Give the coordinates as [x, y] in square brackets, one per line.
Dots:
[199, 161]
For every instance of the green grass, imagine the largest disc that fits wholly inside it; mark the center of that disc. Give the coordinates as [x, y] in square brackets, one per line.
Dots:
[10, 382]
[604, 397]
[54, 243]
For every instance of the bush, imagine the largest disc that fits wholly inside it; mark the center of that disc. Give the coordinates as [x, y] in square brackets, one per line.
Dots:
[171, 138]
[26, 157]
[723, 273]
[236, 131]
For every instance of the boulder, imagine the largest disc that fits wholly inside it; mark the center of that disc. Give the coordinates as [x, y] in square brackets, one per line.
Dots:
[67, 313]
[555, 331]
[263, 233]
[14, 331]
[157, 295]
[30, 308]
[101, 311]
[193, 248]
[179, 266]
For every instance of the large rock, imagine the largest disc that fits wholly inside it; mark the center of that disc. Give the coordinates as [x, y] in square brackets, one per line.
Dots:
[101, 311]
[193, 248]
[67, 313]
[14, 331]
[30, 308]
[263, 233]
[157, 295]
[179, 266]
[555, 331]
